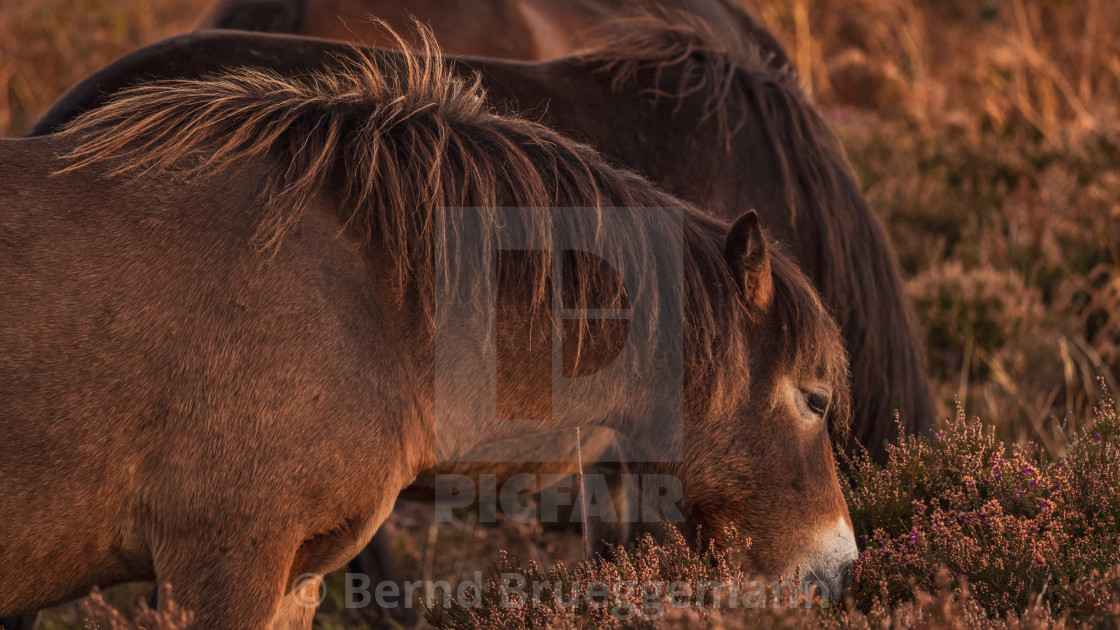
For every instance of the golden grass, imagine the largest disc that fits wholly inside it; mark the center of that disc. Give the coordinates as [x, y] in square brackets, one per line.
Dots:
[48, 45]
[1053, 64]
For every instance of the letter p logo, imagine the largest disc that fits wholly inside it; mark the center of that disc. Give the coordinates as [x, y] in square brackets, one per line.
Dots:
[553, 318]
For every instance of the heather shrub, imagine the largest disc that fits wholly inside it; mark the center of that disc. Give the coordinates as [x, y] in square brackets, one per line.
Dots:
[99, 614]
[956, 530]
[650, 584]
[1021, 528]
[980, 309]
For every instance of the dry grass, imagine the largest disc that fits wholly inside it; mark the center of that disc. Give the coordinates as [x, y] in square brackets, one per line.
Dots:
[987, 135]
[48, 45]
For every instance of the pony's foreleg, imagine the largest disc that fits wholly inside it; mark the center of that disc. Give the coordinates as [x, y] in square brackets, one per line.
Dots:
[297, 608]
[236, 584]
[617, 530]
[376, 562]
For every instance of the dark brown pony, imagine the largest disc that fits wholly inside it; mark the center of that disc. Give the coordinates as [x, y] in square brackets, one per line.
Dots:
[221, 339]
[717, 124]
[530, 30]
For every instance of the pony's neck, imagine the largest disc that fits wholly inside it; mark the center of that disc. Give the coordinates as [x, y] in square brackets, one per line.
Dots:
[521, 381]
[526, 366]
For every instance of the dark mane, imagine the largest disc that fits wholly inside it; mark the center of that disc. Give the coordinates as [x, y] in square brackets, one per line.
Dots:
[707, 61]
[857, 272]
[398, 143]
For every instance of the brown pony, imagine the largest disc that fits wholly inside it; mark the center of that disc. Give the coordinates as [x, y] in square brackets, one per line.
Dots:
[530, 30]
[232, 318]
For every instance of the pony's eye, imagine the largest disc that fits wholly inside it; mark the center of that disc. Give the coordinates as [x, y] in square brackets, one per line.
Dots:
[817, 402]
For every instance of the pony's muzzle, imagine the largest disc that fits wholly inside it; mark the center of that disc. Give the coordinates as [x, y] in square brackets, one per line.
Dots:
[830, 561]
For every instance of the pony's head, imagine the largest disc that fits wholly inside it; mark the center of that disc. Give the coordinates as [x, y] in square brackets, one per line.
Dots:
[762, 459]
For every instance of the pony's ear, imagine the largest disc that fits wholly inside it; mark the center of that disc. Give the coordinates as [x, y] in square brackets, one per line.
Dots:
[749, 258]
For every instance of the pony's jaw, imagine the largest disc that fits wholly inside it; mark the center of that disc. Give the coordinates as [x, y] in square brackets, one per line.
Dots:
[830, 557]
